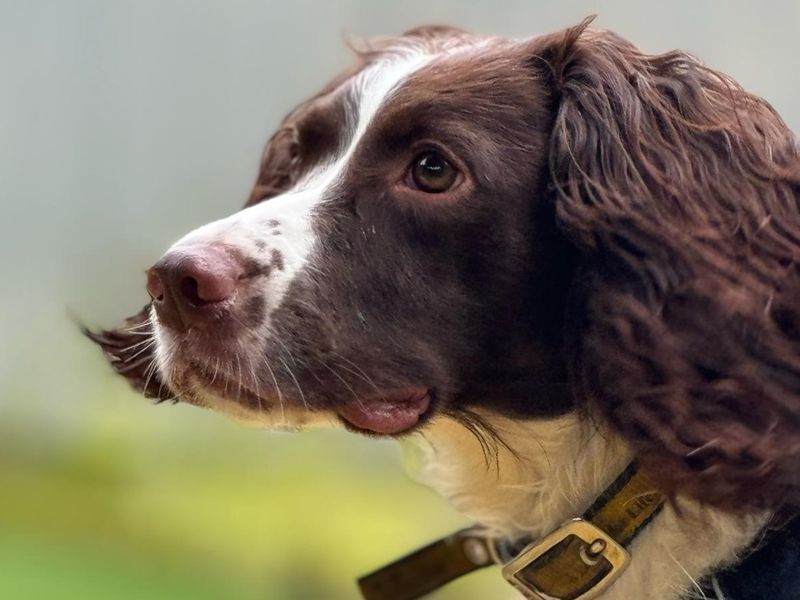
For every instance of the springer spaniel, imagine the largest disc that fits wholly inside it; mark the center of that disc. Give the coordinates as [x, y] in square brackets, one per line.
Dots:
[541, 260]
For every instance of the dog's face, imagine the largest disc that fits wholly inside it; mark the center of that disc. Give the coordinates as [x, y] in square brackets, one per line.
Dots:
[425, 230]
[388, 263]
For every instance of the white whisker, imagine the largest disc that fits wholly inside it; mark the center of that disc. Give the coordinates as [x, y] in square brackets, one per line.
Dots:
[685, 572]
[139, 333]
[141, 351]
[277, 389]
[297, 383]
[360, 372]
[340, 378]
[256, 386]
[216, 371]
[150, 340]
[152, 368]
[132, 328]
[238, 376]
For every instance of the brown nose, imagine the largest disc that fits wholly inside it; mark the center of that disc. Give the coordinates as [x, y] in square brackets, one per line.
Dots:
[187, 284]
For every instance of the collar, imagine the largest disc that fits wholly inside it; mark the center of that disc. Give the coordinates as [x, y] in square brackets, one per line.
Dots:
[577, 561]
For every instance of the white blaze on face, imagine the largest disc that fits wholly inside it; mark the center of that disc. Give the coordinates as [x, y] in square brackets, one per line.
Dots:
[282, 226]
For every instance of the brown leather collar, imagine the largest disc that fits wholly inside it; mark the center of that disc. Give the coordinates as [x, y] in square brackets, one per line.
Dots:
[575, 562]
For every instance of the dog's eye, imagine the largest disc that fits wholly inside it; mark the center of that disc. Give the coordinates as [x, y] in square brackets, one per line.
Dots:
[431, 173]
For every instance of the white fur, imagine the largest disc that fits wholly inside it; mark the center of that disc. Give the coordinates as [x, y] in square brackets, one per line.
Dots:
[557, 469]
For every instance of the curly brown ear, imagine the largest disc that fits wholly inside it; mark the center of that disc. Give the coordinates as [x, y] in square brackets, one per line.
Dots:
[130, 351]
[681, 193]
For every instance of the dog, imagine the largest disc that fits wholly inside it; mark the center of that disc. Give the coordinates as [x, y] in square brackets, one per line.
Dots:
[540, 260]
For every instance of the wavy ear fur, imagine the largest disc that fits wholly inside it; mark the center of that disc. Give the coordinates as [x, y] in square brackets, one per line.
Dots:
[130, 350]
[680, 192]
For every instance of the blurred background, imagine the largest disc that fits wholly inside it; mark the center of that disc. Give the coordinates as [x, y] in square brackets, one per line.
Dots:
[125, 123]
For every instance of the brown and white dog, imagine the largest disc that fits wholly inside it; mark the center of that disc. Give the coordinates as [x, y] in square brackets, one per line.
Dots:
[540, 259]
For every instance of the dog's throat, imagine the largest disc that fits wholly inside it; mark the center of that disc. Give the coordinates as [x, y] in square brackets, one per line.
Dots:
[584, 556]
[519, 477]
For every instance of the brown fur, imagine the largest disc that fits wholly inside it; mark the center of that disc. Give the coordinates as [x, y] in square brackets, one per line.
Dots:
[680, 191]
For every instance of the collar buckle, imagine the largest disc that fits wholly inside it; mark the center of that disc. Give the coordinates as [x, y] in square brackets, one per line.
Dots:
[578, 561]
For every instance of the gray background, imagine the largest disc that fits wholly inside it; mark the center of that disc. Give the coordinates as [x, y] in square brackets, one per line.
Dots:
[125, 123]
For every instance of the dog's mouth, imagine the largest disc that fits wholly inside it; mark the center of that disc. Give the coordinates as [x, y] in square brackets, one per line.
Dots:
[392, 413]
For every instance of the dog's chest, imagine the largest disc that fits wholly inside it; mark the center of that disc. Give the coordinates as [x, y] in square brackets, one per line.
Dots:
[526, 482]
[540, 473]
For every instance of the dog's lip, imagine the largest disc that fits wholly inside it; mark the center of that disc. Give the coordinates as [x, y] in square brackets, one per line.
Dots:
[390, 413]
[224, 386]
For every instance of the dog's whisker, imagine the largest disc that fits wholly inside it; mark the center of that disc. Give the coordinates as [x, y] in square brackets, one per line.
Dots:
[150, 372]
[129, 367]
[344, 382]
[256, 385]
[296, 383]
[693, 581]
[141, 351]
[166, 376]
[179, 394]
[145, 325]
[359, 372]
[238, 375]
[216, 371]
[150, 340]
[282, 344]
[225, 380]
[277, 390]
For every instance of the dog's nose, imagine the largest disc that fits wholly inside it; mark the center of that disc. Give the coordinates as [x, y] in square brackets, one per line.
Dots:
[186, 284]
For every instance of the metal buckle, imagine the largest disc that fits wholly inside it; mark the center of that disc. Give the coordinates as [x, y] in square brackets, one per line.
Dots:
[535, 571]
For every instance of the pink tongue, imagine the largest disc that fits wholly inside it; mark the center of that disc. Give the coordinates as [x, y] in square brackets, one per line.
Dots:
[386, 416]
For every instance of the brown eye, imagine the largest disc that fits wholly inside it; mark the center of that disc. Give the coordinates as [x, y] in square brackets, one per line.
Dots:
[431, 173]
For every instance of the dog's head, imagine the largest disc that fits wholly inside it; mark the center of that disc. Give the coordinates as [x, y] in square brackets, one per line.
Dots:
[524, 227]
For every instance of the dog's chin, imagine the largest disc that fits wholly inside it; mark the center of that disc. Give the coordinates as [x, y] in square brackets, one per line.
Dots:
[234, 400]
[390, 413]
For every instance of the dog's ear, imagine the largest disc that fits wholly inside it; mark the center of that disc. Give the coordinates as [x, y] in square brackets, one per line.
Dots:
[681, 194]
[130, 349]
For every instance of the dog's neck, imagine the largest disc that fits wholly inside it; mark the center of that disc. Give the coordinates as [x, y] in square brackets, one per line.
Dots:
[542, 472]
[528, 481]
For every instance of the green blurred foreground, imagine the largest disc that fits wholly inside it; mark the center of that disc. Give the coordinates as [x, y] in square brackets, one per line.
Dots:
[172, 502]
